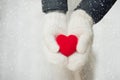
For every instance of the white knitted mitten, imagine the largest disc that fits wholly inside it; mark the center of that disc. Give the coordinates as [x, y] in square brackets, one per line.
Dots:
[80, 25]
[55, 23]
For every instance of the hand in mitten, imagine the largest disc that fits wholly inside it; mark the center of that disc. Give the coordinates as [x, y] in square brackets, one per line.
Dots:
[80, 25]
[55, 23]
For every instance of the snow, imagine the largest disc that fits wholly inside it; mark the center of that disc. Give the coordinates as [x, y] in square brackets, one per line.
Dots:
[21, 55]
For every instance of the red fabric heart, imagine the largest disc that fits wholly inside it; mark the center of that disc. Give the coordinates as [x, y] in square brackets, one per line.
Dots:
[67, 44]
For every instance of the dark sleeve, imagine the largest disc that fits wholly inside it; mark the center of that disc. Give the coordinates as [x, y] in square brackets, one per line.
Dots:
[54, 5]
[96, 8]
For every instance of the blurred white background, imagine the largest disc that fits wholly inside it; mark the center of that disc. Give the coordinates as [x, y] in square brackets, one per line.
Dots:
[21, 56]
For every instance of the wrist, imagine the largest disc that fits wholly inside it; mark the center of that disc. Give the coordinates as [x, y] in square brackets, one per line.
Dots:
[55, 15]
[82, 16]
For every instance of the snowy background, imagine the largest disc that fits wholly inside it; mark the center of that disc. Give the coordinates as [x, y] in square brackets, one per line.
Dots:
[20, 42]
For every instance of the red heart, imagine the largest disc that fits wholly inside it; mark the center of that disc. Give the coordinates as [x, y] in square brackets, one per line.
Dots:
[67, 44]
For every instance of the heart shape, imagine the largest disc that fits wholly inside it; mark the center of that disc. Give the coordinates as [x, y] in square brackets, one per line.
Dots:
[67, 44]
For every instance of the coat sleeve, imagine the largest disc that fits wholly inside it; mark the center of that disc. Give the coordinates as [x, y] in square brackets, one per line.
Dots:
[96, 8]
[54, 5]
